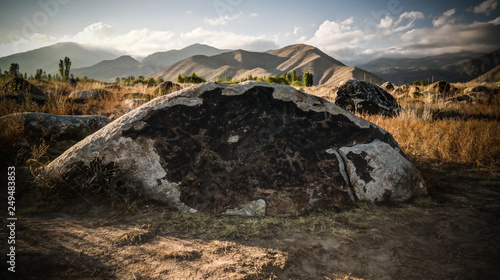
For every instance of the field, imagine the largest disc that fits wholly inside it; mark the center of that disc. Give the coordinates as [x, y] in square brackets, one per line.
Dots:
[67, 233]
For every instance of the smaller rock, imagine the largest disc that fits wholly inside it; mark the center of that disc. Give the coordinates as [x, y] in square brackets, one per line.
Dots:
[366, 98]
[387, 86]
[370, 176]
[85, 95]
[166, 87]
[20, 85]
[462, 98]
[442, 88]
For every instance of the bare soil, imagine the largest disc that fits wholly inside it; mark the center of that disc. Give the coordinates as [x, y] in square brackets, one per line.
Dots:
[454, 233]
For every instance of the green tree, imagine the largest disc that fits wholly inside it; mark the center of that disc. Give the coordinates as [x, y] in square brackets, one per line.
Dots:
[14, 70]
[180, 79]
[64, 68]
[160, 80]
[67, 67]
[294, 76]
[39, 74]
[308, 79]
[61, 67]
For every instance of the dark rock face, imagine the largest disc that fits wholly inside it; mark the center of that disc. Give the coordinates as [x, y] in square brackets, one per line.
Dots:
[18, 85]
[366, 98]
[442, 88]
[250, 149]
[166, 87]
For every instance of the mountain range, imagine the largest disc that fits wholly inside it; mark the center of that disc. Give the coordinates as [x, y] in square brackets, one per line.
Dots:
[47, 58]
[240, 64]
[212, 63]
[455, 67]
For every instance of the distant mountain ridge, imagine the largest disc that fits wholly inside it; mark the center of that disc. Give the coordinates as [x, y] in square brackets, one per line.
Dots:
[127, 66]
[47, 58]
[458, 67]
[108, 70]
[239, 64]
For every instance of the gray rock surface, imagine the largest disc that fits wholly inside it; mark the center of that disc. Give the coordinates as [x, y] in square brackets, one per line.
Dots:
[366, 98]
[247, 149]
[374, 179]
[84, 96]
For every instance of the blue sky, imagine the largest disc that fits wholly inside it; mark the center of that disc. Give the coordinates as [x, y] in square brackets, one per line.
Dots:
[351, 31]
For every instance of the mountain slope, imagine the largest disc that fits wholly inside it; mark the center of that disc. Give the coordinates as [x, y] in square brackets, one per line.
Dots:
[457, 67]
[110, 69]
[491, 76]
[127, 66]
[239, 64]
[474, 67]
[160, 60]
[47, 58]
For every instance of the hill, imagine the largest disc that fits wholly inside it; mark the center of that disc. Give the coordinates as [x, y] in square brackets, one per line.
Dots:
[47, 58]
[110, 69]
[474, 67]
[124, 66]
[490, 77]
[160, 60]
[239, 64]
[457, 67]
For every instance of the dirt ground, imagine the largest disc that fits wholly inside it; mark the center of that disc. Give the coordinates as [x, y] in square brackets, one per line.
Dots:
[452, 234]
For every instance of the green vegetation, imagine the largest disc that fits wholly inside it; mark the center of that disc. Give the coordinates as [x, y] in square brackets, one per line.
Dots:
[420, 83]
[284, 79]
[190, 79]
[64, 68]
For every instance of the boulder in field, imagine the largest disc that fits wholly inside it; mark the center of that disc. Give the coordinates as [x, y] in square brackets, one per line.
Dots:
[41, 125]
[19, 85]
[84, 96]
[387, 86]
[442, 89]
[166, 87]
[366, 98]
[247, 149]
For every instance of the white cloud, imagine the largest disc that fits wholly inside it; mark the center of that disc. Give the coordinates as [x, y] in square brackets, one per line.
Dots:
[348, 21]
[404, 22]
[410, 18]
[486, 7]
[296, 30]
[222, 20]
[446, 17]
[477, 36]
[35, 41]
[339, 39]
[229, 40]
[135, 42]
[254, 15]
[495, 21]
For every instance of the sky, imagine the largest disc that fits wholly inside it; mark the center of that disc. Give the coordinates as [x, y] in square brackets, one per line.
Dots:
[351, 31]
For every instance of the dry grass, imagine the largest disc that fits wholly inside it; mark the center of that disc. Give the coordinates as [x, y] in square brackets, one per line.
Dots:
[458, 133]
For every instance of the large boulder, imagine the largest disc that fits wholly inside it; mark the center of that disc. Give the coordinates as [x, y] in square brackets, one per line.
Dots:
[250, 149]
[366, 98]
[19, 85]
[442, 89]
[84, 96]
[41, 125]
